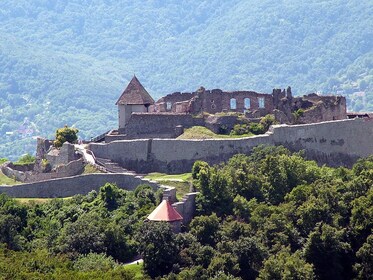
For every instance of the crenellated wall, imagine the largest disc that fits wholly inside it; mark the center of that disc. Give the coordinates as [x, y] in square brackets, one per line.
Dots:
[334, 143]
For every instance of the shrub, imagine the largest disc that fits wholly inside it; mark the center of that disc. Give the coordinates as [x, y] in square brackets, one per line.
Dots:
[256, 128]
[25, 159]
[267, 121]
[65, 134]
[240, 129]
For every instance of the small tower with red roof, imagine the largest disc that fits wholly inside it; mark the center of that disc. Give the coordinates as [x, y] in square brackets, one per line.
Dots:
[166, 213]
[134, 98]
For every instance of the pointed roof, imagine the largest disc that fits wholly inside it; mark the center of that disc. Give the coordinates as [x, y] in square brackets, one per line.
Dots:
[165, 212]
[135, 94]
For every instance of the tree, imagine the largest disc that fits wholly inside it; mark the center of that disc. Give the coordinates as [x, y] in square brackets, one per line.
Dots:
[285, 265]
[363, 267]
[250, 253]
[65, 134]
[26, 159]
[205, 228]
[329, 254]
[267, 121]
[85, 235]
[110, 195]
[94, 261]
[158, 248]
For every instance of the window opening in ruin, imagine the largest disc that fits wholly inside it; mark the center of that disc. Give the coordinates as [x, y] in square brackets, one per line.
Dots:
[247, 103]
[261, 102]
[233, 104]
[168, 106]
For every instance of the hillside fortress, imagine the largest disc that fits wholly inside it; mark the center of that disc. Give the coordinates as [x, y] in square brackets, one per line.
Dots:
[140, 116]
[144, 140]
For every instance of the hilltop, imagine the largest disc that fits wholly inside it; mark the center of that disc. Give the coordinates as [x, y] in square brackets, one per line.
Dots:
[66, 62]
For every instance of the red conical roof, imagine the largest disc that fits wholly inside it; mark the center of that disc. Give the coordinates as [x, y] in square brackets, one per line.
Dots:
[165, 212]
[135, 94]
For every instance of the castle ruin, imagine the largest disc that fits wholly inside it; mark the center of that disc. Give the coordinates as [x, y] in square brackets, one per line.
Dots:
[141, 117]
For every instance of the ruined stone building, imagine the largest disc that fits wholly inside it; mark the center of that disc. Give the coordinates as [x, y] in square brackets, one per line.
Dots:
[140, 117]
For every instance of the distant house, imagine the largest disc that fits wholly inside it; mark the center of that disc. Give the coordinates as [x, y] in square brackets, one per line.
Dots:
[134, 98]
[166, 213]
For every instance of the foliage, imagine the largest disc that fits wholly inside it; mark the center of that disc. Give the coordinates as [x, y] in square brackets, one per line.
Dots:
[254, 128]
[97, 46]
[279, 216]
[158, 248]
[269, 215]
[42, 265]
[364, 255]
[94, 261]
[285, 265]
[94, 231]
[297, 115]
[138, 270]
[25, 159]
[267, 121]
[65, 134]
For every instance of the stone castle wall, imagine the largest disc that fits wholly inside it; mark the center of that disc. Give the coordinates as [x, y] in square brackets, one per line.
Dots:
[334, 143]
[70, 186]
[83, 184]
[158, 124]
[71, 169]
[327, 108]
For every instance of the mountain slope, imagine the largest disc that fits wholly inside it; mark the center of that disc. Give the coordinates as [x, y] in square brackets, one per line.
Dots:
[66, 62]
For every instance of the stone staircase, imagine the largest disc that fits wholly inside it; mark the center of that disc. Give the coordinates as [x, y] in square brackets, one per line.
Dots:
[111, 167]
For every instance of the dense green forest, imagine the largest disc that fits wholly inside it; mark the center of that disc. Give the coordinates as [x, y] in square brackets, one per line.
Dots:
[270, 215]
[66, 62]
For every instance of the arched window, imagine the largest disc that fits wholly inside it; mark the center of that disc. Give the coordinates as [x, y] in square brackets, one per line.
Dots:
[261, 102]
[247, 103]
[233, 104]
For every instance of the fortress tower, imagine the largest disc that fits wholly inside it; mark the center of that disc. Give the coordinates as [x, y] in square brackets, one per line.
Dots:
[166, 213]
[134, 98]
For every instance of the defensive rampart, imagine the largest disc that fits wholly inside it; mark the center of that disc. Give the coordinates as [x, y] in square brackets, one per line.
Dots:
[69, 186]
[83, 184]
[334, 143]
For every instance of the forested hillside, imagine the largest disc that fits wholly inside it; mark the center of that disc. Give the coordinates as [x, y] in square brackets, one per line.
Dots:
[270, 215]
[66, 62]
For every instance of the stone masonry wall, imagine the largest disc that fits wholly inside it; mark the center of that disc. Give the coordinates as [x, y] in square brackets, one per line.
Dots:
[71, 169]
[83, 184]
[158, 124]
[70, 186]
[334, 143]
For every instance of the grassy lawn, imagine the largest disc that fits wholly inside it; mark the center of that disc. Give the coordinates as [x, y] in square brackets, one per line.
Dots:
[137, 269]
[200, 132]
[180, 181]
[5, 180]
